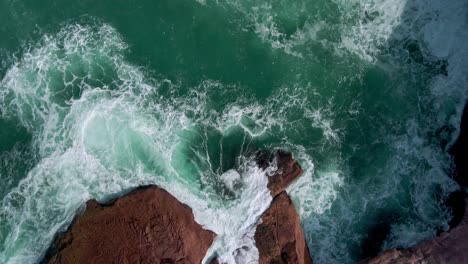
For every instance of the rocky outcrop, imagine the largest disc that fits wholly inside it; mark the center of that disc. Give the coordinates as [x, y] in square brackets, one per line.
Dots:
[288, 171]
[449, 247]
[147, 225]
[279, 236]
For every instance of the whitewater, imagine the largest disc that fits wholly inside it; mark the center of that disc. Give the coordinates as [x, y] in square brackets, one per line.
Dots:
[366, 94]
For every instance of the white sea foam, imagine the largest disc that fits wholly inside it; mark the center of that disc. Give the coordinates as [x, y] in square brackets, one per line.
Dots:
[368, 24]
[363, 26]
[239, 219]
[107, 138]
[441, 29]
[82, 136]
[372, 29]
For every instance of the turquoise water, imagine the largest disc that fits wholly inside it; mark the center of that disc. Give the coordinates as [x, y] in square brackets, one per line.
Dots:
[97, 97]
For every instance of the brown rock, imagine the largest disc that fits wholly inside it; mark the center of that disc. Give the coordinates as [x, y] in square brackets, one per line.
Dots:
[450, 247]
[279, 236]
[147, 225]
[288, 171]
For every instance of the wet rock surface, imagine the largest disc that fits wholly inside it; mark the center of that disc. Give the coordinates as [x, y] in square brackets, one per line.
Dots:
[148, 225]
[288, 170]
[279, 236]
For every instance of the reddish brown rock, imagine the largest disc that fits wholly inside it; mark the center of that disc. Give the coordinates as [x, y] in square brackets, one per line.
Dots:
[450, 247]
[279, 236]
[288, 170]
[147, 225]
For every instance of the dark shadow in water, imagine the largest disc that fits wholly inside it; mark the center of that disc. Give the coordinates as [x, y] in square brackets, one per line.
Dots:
[407, 54]
[411, 51]
[377, 233]
[459, 152]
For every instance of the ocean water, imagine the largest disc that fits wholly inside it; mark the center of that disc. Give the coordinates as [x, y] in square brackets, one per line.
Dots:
[98, 97]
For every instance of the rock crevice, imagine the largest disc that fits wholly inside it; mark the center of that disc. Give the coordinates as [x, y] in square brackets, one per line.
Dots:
[279, 236]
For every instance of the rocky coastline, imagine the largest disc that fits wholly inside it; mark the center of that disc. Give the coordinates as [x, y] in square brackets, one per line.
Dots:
[449, 247]
[149, 225]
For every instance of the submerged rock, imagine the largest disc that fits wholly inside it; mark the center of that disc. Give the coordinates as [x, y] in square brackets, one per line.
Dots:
[449, 247]
[148, 225]
[279, 236]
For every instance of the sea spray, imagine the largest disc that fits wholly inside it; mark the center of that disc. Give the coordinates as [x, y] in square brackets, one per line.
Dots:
[366, 94]
[106, 139]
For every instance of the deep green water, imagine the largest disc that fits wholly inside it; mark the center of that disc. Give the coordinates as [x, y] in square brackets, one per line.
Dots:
[97, 97]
